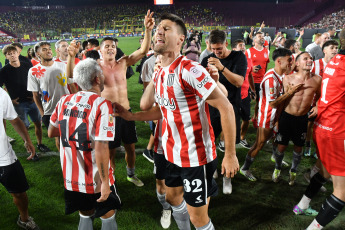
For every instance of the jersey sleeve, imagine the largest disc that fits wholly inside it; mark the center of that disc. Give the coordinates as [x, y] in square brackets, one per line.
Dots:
[54, 118]
[33, 84]
[270, 90]
[198, 80]
[8, 110]
[105, 122]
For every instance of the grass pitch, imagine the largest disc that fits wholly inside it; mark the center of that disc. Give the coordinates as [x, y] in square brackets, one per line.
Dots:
[252, 205]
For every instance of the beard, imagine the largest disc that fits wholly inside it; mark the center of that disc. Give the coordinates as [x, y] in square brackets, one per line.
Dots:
[47, 60]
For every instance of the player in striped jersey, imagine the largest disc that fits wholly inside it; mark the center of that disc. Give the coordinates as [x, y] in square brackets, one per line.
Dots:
[85, 124]
[181, 89]
[271, 97]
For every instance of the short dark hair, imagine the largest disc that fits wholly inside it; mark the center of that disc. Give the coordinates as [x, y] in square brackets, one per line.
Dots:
[288, 43]
[217, 37]
[40, 44]
[93, 41]
[304, 52]
[179, 22]
[236, 42]
[108, 39]
[17, 44]
[93, 54]
[330, 43]
[281, 52]
[9, 48]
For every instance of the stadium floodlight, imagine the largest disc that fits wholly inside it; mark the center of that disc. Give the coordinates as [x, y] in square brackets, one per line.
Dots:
[163, 2]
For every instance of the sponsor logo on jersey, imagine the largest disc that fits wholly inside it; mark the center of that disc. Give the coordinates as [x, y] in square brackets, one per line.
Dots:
[111, 119]
[168, 104]
[203, 82]
[198, 200]
[333, 63]
[271, 90]
[107, 128]
[195, 71]
[170, 80]
[329, 71]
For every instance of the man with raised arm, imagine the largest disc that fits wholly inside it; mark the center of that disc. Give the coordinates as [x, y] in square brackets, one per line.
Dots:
[182, 88]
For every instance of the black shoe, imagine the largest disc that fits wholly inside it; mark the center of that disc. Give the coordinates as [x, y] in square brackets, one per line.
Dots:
[43, 148]
[244, 144]
[35, 158]
[148, 154]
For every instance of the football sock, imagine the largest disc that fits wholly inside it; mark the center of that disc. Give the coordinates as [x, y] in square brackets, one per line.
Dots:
[314, 170]
[279, 159]
[314, 186]
[161, 199]
[85, 223]
[109, 223]
[296, 159]
[274, 148]
[314, 225]
[130, 171]
[329, 210]
[304, 202]
[181, 216]
[208, 226]
[248, 162]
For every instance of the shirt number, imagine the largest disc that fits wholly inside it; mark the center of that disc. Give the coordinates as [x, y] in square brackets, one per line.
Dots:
[81, 130]
[324, 87]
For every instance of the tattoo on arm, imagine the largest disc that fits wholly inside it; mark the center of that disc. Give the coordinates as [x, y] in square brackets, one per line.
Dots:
[102, 171]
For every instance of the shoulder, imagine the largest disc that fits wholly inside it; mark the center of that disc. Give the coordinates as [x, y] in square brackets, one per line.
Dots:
[192, 67]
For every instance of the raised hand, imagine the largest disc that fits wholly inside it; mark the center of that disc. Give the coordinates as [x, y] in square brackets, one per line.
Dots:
[149, 21]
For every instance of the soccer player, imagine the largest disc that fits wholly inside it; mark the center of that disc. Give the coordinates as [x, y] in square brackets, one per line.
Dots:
[260, 57]
[271, 99]
[61, 46]
[115, 90]
[181, 89]
[239, 45]
[12, 175]
[329, 130]
[293, 121]
[15, 76]
[85, 124]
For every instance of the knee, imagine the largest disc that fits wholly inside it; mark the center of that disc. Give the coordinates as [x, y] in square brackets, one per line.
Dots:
[199, 220]
[173, 200]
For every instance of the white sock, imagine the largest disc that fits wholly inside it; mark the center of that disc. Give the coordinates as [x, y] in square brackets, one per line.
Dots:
[304, 203]
[314, 170]
[314, 225]
[85, 222]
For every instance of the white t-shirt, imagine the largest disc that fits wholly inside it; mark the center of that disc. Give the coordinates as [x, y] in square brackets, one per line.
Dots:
[7, 112]
[50, 82]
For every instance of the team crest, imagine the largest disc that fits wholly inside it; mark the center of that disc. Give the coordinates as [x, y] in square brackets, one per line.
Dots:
[271, 90]
[265, 55]
[170, 80]
[111, 119]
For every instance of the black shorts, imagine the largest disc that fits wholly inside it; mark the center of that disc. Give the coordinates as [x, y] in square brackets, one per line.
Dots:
[159, 166]
[292, 128]
[13, 178]
[217, 126]
[46, 120]
[198, 182]
[245, 108]
[77, 201]
[124, 131]
[257, 90]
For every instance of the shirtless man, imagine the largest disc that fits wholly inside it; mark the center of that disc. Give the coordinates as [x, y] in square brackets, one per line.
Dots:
[115, 90]
[293, 121]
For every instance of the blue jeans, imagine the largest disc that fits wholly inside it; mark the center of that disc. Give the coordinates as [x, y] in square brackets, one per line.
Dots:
[28, 108]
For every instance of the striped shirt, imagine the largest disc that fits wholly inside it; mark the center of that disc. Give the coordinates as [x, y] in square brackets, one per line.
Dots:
[187, 135]
[319, 66]
[271, 89]
[82, 119]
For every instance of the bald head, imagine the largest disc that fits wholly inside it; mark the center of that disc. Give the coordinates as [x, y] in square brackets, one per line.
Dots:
[324, 38]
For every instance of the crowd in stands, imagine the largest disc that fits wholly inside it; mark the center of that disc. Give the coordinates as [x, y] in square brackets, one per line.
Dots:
[336, 19]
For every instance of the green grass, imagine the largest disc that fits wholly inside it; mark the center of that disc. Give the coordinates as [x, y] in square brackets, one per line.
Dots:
[252, 205]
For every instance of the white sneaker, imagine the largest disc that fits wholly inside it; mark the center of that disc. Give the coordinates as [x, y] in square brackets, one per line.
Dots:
[221, 146]
[227, 186]
[135, 180]
[166, 218]
[248, 174]
[30, 224]
[10, 139]
[215, 174]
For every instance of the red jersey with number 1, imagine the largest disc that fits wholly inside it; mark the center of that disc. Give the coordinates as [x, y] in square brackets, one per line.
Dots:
[83, 118]
[259, 57]
[330, 120]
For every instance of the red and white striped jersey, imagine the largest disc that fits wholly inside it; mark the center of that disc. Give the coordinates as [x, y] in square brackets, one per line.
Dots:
[270, 89]
[187, 135]
[82, 119]
[319, 66]
[259, 57]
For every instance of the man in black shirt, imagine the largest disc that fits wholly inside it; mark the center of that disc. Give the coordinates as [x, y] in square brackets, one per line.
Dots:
[232, 67]
[15, 76]
[19, 48]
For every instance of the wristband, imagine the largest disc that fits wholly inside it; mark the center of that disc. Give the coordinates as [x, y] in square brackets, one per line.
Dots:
[222, 70]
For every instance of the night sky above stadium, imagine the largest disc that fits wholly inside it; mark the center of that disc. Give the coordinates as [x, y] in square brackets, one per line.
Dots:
[100, 2]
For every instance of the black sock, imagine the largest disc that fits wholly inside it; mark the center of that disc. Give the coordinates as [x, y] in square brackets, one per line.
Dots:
[248, 162]
[314, 186]
[279, 159]
[307, 144]
[329, 210]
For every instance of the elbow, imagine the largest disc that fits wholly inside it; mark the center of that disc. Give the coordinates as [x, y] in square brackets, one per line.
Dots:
[273, 105]
[239, 83]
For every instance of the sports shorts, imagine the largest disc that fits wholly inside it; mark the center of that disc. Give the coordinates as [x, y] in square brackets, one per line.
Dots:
[257, 90]
[124, 131]
[245, 108]
[331, 151]
[77, 201]
[13, 178]
[198, 182]
[159, 166]
[26, 109]
[293, 128]
[46, 120]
